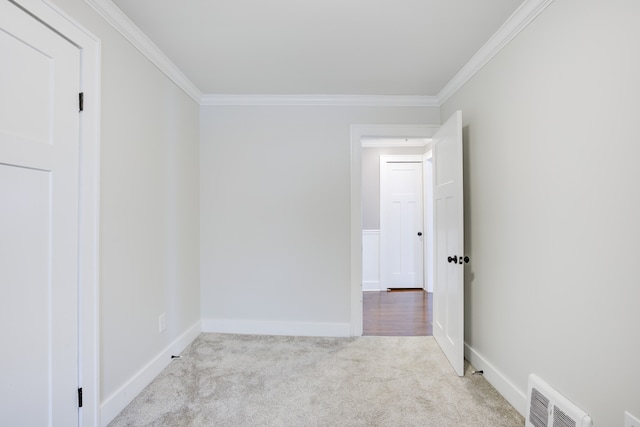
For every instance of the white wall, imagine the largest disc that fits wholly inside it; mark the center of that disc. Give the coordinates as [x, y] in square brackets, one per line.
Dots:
[275, 211]
[553, 205]
[149, 213]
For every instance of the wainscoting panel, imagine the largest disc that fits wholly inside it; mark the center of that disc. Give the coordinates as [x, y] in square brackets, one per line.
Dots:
[371, 260]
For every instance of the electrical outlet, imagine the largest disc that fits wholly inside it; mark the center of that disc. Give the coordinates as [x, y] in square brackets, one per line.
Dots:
[162, 323]
[630, 420]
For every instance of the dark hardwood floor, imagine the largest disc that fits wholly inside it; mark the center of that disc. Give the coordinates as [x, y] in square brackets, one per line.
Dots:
[398, 313]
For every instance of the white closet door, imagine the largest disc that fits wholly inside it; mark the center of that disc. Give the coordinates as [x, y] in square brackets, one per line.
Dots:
[39, 164]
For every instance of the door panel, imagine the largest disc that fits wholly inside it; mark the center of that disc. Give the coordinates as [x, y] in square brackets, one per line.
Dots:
[27, 82]
[26, 300]
[401, 219]
[448, 302]
[39, 184]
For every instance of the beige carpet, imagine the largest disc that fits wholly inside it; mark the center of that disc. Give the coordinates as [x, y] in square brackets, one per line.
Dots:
[245, 380]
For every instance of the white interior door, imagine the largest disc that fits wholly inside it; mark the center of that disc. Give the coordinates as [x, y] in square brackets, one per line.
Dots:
[39, 167]
[448, 294]
[401, 222]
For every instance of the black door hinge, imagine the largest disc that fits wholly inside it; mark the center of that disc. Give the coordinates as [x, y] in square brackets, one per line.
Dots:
[80, 397]
[81, 101]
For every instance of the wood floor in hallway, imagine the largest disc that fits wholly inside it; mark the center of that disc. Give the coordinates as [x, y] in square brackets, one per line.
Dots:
[398, 313]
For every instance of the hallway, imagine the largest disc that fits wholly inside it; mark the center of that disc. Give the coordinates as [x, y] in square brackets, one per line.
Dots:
[401, 312]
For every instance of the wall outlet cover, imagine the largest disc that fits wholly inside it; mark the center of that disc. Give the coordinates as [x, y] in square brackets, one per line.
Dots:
[162, 323]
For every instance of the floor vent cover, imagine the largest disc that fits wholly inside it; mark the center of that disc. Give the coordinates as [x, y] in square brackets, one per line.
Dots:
[548, 408]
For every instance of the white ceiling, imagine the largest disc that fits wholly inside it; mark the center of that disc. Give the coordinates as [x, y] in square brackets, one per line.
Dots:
[337, 47]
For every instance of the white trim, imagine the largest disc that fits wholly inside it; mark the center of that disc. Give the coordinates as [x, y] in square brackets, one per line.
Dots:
[414, 158]
[391, 132]
[357, 133]
[515, 396]
[356, 232]
[511, 28]
[270, 327]
[115, 403]
[121, 22]
[320, 100]
[427, 176]
[395, 142]
[88, 298]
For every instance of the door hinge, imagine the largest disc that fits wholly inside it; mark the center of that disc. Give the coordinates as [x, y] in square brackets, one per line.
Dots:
[81, 101]
[80, 397]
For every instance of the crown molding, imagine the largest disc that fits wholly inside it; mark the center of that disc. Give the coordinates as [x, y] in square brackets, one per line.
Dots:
[320, 100]
[118, 20]
[526, 13]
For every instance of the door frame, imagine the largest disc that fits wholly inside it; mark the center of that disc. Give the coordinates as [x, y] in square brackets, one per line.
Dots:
[357, 134]
[427, 174]
[88, 295]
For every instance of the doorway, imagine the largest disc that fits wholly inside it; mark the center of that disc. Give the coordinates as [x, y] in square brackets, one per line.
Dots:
[370, 135]
[395, 230]
[448, 215]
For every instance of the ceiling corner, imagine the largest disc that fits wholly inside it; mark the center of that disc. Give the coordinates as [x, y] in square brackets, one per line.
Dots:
[121, 23]
[526, 13]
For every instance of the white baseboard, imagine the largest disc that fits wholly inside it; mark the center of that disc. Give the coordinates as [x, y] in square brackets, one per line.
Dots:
[115, 403]
[515, 396]
[267, 327]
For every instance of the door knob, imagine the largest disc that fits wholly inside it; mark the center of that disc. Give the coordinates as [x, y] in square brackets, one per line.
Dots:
[419, 233]
[453, 259]
[466, 259]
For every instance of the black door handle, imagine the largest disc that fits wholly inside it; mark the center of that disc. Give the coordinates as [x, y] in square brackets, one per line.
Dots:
[454, 259]
[419, 233]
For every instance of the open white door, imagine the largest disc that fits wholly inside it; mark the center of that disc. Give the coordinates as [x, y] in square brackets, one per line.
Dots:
[448, 293]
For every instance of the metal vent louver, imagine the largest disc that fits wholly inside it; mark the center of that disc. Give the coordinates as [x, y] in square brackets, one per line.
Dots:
[560, 419]
[548, 408]
[538, 409]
